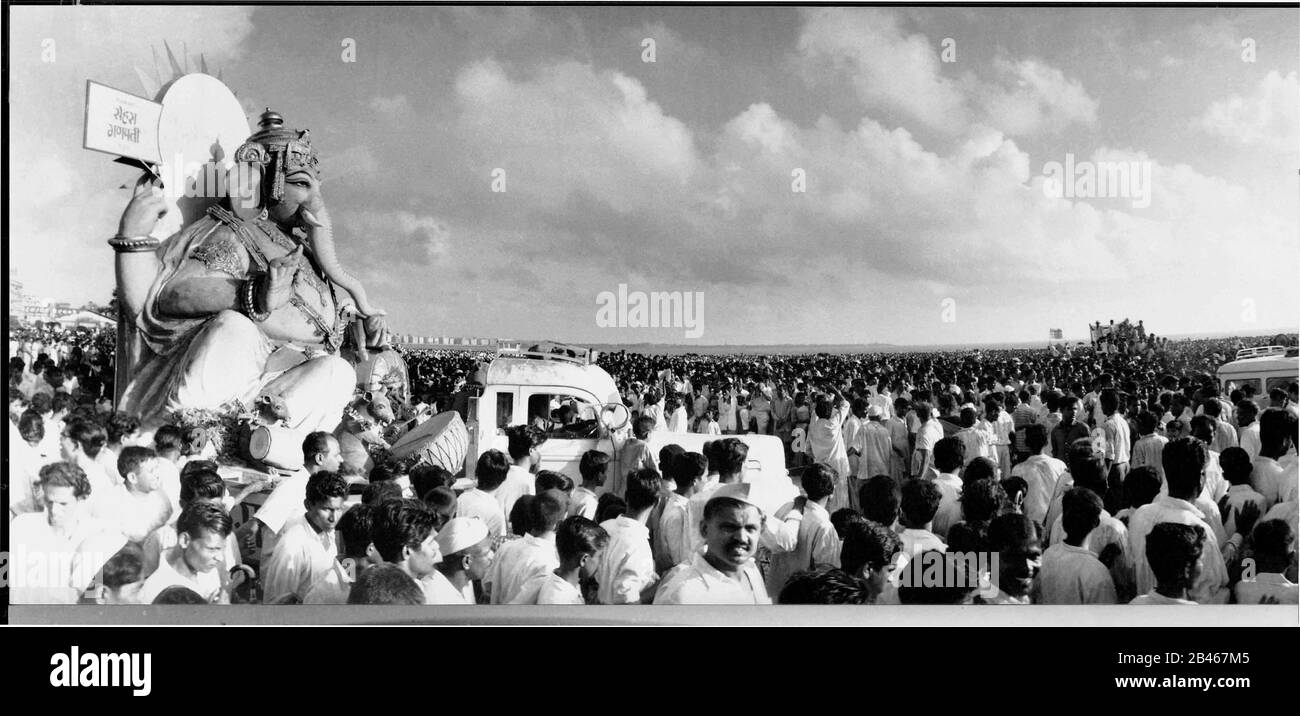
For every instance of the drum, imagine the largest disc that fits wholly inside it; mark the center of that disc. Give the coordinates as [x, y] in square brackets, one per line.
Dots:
[276, 446]
[441, 440]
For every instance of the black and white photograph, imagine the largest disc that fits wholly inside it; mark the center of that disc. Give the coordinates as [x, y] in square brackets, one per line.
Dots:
[641, 314]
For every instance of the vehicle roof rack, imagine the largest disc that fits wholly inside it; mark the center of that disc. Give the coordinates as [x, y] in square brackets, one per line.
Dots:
[553, 350]
[1260, 351]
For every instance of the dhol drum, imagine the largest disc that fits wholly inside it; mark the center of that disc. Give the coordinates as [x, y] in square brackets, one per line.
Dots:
[441, 440]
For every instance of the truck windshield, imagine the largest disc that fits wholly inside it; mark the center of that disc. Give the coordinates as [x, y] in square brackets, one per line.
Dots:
[562, 415]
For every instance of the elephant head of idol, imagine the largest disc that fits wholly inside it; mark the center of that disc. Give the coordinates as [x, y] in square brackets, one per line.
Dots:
[276, 176]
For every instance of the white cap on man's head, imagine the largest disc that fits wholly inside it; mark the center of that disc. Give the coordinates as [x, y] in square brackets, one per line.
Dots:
[737, 491]
[461, 533]
[874, 411]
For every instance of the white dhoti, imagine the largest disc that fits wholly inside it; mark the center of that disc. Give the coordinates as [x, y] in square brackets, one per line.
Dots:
[230, 359]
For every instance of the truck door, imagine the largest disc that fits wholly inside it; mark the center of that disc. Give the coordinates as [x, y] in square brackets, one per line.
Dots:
[568, 417]
[497, 409]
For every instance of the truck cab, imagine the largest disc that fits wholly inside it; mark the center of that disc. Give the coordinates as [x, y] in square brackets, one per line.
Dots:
[535, 387]
[1265, 368]
[560, 389]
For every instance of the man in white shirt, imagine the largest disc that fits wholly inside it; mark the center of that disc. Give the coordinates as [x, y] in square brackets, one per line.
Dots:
[818, 545]
[725, 573]
[1175, 554]
[1003, 427]
[1225, 435]
[1248, 434]
[899, 440]
[1215, 485]
[948, 461]
[320, 451]
[1149, 447]
[24, 471]
[929, 432]
[671, 539]
[580, 544]
[852, 424]
[1184, 461]
[138, 503]
[728, 456]
[196, 561]
[585, 498]
[919, 503]
[356, 554]
[405, 533]
[1118, 443]
[466, 547]
[826, 443]
[522, 444]
[634, 454]
[653, 408]
[1268, 476]
[1274, 545]
[65, 540]
[1178, 410]
[480, 501]
[519, 560]
[1109, 540]
[627, 572]
[82, 442]
[977, 441]
[1237, 467]
[872, 446]
[306, 551]
[1071, 572]
[677, 419]
[1040, 472]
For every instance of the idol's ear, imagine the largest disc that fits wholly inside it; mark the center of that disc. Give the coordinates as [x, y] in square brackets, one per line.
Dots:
[245, 180]
[246, 189]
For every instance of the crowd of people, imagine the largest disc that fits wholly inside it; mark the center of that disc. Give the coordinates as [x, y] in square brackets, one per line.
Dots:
[1072, 477]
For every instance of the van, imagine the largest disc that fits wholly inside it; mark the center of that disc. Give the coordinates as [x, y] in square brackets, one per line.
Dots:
[1264, 368]
[524, 387]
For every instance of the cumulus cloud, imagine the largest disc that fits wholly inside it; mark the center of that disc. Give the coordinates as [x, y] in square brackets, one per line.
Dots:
[602, 180]
[597, 129]
[1268, 117]
[418, 238]
[890, 68]
[886, 65]
[1031, 94]
[217, 33]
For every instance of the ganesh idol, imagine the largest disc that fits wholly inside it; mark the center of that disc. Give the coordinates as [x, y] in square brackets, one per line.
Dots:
[244, 310]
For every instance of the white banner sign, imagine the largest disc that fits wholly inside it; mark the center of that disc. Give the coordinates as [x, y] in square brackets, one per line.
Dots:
[122, 124]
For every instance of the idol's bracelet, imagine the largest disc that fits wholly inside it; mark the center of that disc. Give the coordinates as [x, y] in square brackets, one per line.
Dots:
[133, 244]
[248, 298]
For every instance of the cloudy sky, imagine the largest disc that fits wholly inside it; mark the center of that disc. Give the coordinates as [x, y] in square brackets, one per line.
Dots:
[923, 219]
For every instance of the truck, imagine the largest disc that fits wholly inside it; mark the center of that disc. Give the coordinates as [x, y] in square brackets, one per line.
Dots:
[526, 386]
[1264, 367]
